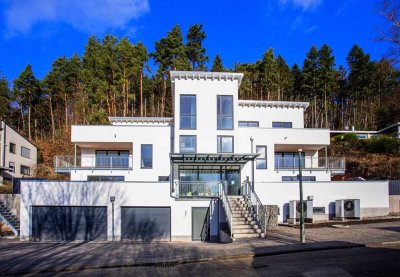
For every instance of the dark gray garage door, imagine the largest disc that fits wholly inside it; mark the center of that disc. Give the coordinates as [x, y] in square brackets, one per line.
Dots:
[65, 223]
[146, 223]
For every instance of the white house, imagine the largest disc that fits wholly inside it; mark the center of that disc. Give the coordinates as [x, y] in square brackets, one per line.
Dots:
[190, 176]
[18, 156]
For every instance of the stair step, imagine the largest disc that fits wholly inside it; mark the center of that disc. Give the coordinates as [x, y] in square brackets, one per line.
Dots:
[255, 235]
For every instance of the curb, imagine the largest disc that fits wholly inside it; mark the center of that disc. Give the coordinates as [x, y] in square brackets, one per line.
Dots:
[307, 248]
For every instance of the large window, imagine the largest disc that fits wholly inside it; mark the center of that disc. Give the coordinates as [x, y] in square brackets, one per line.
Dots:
[225, 144]
[106, 178]
[224, 112]
[12, 147]
[296, 178]
[25, 152]
[281, 124]
[188, 112]
[261, 161]
[25, 170]
[249, 124]
[187, 144]
[147, 156]
[112, 158]
[288, 159]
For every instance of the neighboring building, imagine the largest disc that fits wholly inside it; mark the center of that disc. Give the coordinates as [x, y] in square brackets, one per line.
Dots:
[392, 131]
[18, 156]
[181, 177]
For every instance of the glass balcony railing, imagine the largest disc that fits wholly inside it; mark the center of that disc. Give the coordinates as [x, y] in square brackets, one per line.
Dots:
[68, 162]
[319, 163]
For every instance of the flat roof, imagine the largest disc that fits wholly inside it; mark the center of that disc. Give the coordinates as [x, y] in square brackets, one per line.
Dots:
[212, 158]
[154, 120]
[273, 104]
[192, 75]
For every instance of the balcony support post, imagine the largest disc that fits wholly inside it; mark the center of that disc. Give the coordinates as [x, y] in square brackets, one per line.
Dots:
[75, 155]
[326, 158]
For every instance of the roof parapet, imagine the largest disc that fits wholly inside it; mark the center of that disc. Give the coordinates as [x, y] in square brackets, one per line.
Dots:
[197, 75]
[140, 120]
[273, 104]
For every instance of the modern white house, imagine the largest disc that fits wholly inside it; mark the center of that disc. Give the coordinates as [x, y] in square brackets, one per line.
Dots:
[204, 173]
[18, 156]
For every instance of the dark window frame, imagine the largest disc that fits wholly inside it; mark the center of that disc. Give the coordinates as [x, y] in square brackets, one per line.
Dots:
[261, 159]
[188, 115]
[25, 149]
[188, 136]
[141, 157]
[247, 124]
[221, 116]
[26, 167]
[219, 144]
[106, 163]
[282, 124]
[104, 177]
[296, 178]
[12, 148]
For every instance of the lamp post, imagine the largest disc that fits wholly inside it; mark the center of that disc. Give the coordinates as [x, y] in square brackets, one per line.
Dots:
[302, 231]
[252, 165]
[112, 200]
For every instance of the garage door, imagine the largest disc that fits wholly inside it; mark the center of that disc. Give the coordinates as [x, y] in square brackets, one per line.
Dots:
[66, 223]
[146, 223]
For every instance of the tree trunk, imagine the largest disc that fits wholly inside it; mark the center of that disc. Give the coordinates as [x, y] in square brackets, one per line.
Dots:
[53, 128]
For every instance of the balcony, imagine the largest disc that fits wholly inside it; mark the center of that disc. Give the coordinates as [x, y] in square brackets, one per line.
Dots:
[198, 189]
[66, 163]
[311, 163]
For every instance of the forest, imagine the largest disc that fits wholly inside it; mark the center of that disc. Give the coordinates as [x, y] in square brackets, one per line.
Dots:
[117, 77]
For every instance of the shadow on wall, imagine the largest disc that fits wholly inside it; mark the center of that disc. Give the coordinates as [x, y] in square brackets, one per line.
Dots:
[66, 211]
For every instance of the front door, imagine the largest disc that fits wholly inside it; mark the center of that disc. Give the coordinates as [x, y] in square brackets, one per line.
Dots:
[232, 179]
[200, 223]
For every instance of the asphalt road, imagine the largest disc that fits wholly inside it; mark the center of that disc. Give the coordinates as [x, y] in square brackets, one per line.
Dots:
[365, 261]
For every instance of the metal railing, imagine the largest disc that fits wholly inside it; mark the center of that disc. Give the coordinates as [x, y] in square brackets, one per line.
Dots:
[309, 162]
[197, 188]
[227, 205]
[254, 204]
[92, 161]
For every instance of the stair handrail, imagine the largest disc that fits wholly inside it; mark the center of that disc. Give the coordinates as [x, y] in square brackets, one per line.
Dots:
[227, 206]
[259, 209]
[9, 225]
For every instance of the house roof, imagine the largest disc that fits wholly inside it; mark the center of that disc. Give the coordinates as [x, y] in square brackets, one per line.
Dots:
[273, 104]
[192, 75]
[140, 120]
[212, 158]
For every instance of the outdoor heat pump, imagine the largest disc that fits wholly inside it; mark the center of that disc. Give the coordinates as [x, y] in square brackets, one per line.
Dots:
[347, 208]
[295, 208]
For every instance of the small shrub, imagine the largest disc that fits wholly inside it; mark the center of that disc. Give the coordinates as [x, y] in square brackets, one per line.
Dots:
[382, 145]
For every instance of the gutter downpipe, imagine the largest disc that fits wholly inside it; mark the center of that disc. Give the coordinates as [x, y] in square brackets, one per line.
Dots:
[252, 165]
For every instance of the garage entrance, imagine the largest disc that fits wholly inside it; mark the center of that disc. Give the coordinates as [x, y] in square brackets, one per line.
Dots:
[68, 223]
[146, 223]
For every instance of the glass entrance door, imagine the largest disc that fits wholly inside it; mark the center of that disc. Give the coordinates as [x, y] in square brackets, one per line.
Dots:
[232, 177]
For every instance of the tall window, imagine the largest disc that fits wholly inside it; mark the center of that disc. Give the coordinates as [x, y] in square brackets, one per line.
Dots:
[261, 161]
[225, 144]
[224, 112]
[188, 112]
[12, 147]
[187, 144]
[281, 124]
[25, 170]
[11, 165]
[112, 158]
[288, 159]
[147, 156]
[25, 152]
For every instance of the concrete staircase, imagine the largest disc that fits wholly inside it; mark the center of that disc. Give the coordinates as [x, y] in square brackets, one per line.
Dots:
[244, 224]
[9, 219]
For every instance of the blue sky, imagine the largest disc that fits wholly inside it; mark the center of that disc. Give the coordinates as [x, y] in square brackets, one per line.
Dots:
[39, 31]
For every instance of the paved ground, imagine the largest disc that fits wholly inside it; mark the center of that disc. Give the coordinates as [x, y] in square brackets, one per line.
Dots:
[28, 257]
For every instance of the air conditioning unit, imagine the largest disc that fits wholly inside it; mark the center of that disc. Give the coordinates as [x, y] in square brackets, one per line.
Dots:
[347, 208]
[295, 208]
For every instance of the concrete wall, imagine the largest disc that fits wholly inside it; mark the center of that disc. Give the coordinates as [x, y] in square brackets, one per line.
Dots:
[12, 202]
[394, 203]
[373, 195]
[126, 194]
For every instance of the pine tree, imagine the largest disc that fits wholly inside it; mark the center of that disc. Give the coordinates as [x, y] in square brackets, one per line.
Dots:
[217, 65]
[284, 79]
[269, 74]
[4, 97]
[194, 47]
[310, 83]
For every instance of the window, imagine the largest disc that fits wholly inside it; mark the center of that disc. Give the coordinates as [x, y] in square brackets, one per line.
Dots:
[188, 112]
[296, 178]
[106, 178]
[261, 161]
[281, 124]
[319, 210]
[25, 152]
[163, 178]
[11, 165]
[248, 124]
[187, 144]
[147, 156]
[25, 170]
[288, 159]
[12, 148]
[224, 112]
[225, 144]
[112, 158]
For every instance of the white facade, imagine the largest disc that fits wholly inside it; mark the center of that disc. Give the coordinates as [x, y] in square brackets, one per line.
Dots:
[18, 156]
[175, 162]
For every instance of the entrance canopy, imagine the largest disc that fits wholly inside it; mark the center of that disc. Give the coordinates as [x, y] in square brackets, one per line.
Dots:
[207, 158]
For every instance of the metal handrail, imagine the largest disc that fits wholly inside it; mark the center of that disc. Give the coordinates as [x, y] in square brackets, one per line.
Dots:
[252, 200]
[226, 205]
[9, 225]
